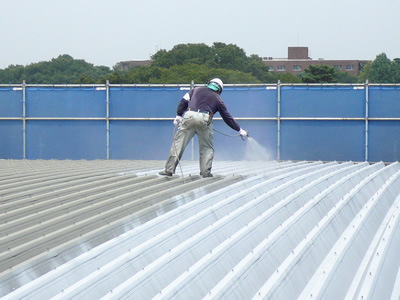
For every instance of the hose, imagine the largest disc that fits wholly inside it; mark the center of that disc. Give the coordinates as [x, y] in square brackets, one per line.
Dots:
[235, 135]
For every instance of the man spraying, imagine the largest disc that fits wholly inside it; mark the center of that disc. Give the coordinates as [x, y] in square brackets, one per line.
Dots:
[194, 116]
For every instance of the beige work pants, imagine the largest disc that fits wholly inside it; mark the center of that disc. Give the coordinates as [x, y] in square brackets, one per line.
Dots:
[193, 123]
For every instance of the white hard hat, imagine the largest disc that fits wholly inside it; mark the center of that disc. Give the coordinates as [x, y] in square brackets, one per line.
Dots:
[216, 84]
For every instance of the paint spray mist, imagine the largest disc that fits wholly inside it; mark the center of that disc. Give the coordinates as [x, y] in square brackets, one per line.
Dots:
[254, 151]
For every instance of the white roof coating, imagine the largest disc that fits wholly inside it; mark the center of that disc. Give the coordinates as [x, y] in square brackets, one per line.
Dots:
[112, 229]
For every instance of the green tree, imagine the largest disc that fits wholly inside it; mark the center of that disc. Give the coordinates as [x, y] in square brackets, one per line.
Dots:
[319, 74]
[218, 56]
[381, 70]
[143, 74]
[178, 74]
[229, 57]
[182, 54]
[345, 77]
[289, 78]
[12, 74]
[257, 68]
[63, 69]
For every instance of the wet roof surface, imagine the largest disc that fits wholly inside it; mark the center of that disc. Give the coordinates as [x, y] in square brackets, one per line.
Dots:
[112, 229]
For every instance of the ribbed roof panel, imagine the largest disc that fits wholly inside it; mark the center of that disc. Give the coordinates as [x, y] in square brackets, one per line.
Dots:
[269, 230]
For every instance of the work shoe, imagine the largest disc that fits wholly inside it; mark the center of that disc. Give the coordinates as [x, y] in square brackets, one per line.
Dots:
[208, 174]
[165, 173]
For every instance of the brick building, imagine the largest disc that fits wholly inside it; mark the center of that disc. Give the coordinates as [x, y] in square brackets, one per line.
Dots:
[298, 60]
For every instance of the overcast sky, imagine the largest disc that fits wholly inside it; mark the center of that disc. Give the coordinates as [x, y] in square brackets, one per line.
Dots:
[106, 32]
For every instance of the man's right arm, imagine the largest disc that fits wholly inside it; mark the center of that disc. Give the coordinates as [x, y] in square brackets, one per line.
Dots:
[226, 116]
[183, 104]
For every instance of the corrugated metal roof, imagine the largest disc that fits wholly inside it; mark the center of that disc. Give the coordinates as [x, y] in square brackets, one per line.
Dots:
[279, 230]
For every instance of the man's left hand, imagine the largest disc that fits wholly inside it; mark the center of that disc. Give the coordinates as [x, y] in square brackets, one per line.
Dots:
[178, 120]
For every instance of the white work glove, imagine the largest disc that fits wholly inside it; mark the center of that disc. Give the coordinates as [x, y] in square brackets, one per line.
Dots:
[178, 120]
[243, 133]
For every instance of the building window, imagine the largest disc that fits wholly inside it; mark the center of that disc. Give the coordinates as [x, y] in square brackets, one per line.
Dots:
[349, 67]
[281, 68]
[297, 68]
[270, 68]
[339, 67]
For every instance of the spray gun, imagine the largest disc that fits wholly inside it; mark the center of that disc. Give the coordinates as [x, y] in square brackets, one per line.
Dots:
[243, 135]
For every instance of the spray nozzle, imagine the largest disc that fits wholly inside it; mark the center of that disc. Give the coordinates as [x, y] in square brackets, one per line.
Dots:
[247, 134]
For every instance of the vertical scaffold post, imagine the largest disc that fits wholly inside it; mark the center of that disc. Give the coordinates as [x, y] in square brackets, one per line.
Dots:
[24, 119]
[366, 119]
[108, 117]
[279, 122]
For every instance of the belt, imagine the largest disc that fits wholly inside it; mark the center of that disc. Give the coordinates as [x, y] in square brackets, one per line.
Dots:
[198, 110]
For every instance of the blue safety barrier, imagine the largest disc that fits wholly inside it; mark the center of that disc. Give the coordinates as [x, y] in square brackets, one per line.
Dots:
[384, 102]
[145, 102]
[320, 101]
[66, 139]
[11, 139]
[65, 102]
[11, 102]
[11, 107]
[290, 122]
[322, 140]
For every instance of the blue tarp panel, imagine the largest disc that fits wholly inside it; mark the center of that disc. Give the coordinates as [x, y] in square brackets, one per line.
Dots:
[384, 102]
[322, 102]
[322, 140]
[66, 140]
[140, 139]
[250, 102]
[11, 139]
[10, 102]
[140, 102]
[384, 141]
[65, 102]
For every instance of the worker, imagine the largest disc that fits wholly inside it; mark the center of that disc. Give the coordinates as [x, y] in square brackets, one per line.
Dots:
[194, 116]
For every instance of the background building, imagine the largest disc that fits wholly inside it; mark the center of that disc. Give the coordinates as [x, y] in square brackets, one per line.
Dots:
[298, 60]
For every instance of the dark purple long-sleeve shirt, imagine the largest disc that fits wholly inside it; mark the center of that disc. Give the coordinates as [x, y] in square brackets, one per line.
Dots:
[205, 99]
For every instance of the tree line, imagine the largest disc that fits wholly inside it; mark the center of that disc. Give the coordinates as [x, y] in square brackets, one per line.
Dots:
[197, 62]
